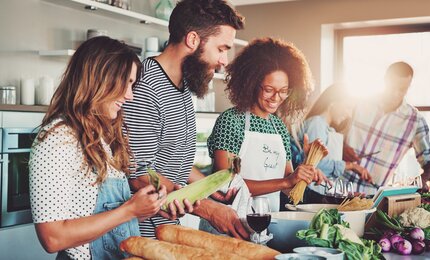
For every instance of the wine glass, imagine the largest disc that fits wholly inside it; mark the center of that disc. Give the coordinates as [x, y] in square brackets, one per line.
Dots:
[258, 215]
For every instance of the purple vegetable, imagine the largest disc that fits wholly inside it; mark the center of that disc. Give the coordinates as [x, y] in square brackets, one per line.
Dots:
[385, 244]
[388, 233]
[403, 247]
[395, 239]
[417, 234]
[427, 242]
[418, 247]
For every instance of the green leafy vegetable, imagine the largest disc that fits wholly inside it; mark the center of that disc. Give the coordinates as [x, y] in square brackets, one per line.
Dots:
[327, 229]
[389, 222]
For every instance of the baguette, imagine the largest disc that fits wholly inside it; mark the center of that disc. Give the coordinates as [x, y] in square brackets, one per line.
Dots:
[151, 249]
[191, 237]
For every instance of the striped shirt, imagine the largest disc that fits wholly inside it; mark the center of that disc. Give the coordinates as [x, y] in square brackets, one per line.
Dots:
[162, 129]
[393, 134]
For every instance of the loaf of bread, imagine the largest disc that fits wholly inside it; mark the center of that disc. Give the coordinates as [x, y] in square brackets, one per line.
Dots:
[191, 237]
[151, 249]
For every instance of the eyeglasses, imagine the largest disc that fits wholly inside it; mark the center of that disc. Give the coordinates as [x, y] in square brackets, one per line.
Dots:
[269, 92]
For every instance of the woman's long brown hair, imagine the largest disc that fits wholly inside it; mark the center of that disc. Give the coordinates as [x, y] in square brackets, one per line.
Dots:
[96, 75]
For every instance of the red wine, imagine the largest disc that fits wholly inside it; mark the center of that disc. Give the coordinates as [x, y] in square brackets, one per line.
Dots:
[258, 222]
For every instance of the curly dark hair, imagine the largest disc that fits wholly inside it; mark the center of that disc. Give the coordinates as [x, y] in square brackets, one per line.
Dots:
[257, 60]
[203, 17]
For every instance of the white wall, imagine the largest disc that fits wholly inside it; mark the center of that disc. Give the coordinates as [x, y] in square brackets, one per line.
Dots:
[27, 26]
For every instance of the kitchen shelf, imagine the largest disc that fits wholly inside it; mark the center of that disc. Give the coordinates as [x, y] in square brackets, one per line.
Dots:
[23, 108]
[57, 52]
[119, 13]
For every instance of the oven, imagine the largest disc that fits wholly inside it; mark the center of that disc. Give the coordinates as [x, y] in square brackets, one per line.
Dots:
[15, 198]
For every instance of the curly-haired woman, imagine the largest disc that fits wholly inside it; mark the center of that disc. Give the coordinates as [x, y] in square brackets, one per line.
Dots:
[80, 197]
[268, 76]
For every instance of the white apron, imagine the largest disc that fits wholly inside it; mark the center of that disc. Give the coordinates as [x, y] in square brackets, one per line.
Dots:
[335, 149]
[263, 158]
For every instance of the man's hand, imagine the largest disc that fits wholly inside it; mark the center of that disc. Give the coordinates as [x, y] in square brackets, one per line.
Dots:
[226, 198]
[175, 208]
[349, 154]
[226, 221]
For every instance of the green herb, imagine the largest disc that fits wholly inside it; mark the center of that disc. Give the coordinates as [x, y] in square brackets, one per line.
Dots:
[425, 206]
[388, 222]
[425, 195]
[154, 179]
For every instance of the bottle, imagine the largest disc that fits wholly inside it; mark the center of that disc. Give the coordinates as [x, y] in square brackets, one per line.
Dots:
[164, 9]
[44, 91]
[27, 92]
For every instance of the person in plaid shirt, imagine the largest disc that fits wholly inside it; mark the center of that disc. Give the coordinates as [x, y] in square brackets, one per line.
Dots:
[388, 127]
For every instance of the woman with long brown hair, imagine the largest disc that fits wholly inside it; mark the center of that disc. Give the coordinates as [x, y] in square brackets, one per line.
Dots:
[80, 197]
[267, 76]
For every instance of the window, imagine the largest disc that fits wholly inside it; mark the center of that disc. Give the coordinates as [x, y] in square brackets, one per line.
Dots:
[365, 54]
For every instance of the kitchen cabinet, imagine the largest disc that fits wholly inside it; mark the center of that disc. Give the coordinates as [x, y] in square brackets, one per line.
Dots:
[21, 243]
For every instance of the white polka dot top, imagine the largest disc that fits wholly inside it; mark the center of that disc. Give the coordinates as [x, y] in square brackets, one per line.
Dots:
[60, 187]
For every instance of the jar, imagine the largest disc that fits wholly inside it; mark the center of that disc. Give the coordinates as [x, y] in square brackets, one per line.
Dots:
[8, 95]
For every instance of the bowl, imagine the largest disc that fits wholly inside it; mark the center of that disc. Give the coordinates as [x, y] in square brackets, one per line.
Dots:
[284, 226]
[295, 256]
[328, 253]
[356, 219]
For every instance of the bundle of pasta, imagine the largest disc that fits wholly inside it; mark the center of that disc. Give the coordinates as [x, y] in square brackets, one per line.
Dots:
[356, 203]
[316, 153]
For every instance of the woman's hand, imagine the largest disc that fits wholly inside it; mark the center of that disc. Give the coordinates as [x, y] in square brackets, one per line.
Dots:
[146, 202]
[361, 171]
[303, 172]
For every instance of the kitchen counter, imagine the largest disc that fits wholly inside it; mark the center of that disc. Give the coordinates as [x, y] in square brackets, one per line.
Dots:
[393, 256]
[23, 108]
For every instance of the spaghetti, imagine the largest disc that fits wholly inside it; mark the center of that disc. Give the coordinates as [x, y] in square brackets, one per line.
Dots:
[316, 153]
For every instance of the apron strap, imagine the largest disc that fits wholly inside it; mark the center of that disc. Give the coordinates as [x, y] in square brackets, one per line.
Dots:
[248, 122]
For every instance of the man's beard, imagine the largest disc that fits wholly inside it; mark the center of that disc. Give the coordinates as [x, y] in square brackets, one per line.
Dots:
[197, 73]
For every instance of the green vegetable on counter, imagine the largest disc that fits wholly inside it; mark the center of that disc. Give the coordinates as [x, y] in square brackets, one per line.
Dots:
[327, 229]
[389, 222]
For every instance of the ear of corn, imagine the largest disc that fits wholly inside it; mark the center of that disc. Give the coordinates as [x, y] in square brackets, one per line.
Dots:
[200, 189]
[154, 179]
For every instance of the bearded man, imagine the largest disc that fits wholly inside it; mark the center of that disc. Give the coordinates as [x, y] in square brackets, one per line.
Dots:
[161, 118]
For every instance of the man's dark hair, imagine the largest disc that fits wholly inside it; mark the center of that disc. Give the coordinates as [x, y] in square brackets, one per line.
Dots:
[203, 17]
[401, 69]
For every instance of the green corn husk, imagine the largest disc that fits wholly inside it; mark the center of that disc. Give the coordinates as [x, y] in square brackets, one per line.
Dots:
[200, 189]
[154, 179]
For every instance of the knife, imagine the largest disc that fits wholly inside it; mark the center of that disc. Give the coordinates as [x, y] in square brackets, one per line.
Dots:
[368, 154]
